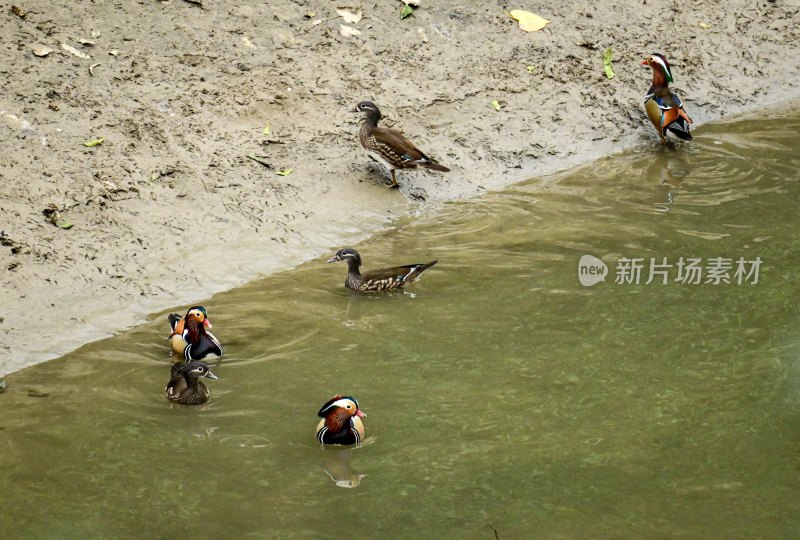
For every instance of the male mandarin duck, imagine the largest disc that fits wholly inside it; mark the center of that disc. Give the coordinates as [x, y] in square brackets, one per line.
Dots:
[663, 107]
[390, 147]
[185, 386]
[190, 336]
[341, 421]
[377, 280]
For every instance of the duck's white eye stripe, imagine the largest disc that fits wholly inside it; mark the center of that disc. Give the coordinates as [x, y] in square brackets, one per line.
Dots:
[342, 403]
[658, 60]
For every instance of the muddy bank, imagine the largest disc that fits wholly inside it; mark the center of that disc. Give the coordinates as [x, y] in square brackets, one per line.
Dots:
[169, 208]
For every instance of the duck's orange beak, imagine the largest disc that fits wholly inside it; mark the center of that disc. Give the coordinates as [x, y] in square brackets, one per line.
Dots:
[207, 323]
[360, 413]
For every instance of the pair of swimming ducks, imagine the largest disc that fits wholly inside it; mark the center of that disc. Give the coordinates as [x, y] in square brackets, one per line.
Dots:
[192, 341]
[392, 149]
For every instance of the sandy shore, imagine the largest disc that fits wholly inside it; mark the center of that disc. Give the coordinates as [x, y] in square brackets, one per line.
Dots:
[169, 208]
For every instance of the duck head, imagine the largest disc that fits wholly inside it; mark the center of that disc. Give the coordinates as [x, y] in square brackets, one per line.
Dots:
[661, 67]
[373, 114]
[339, 409]
[196, 370]
[199, 315]
[347, 254]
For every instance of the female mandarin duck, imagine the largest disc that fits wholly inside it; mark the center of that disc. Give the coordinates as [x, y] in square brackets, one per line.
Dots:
[341, 421]
[190, 336]
[663, 107]
[185, 386]
[390, 147]
[377, 280]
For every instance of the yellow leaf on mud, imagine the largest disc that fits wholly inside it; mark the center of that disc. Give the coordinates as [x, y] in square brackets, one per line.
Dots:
[284, 172]
[94, 142]
[530, 22]
[496, 105]
[265, 131]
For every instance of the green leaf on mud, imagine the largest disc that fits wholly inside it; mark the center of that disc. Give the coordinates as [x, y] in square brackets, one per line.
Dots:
[607, 63]
[406, 11]
[284, 172]
[94, 142]
[64, 224]
[265, 131]
[496, 105]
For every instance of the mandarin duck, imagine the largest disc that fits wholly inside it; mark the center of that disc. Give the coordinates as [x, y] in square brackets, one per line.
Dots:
[377, 280]
[390, 147]
[185, 386]
[190, 336]
[341, 421]
[663, 107]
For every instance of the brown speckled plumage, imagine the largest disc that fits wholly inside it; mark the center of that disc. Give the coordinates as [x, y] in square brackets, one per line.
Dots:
[391, 147]
[185, 386]
[377, 280]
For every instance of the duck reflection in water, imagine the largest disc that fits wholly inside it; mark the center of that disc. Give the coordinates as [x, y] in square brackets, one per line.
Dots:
[336, 464]
[669, 180]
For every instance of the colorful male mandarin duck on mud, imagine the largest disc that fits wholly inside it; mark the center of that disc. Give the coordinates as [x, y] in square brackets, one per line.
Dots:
[190, 336]
[341, 421]
[663, 107]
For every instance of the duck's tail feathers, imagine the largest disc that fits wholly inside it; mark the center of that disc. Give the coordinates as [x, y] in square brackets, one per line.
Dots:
[432, 165]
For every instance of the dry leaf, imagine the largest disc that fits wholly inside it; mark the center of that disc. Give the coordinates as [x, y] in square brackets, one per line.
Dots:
[18, 11]
[41, 50]
[113, 52]
[530, 22]
[348, 31]
[87, 42]
[91, 68]
[350, 14]
[95, 34]
[72, 50]
[260, 159]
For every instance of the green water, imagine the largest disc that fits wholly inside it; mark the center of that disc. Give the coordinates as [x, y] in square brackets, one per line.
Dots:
[498, 389]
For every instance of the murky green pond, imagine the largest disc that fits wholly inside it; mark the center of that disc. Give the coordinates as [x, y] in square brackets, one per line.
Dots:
[498, 389]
